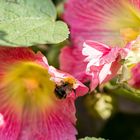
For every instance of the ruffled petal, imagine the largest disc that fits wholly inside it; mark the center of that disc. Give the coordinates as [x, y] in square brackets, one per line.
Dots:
[103, 61]
[104, 72]
[94, 51]
[72, 61]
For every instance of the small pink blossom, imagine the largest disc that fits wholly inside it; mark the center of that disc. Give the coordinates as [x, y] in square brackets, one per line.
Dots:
[103, 61]
[29, 109]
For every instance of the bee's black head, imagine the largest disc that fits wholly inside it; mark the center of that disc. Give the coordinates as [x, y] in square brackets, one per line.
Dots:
[60, 92]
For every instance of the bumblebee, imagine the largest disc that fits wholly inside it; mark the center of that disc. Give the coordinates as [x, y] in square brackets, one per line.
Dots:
[64, 88]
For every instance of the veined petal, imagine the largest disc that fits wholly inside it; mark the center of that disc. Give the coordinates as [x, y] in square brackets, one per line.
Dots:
[58, 125]
[110, 22]
[10, 128]
[136, 3]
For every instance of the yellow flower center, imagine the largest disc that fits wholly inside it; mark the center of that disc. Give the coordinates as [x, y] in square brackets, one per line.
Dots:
[28, 85]
[129, 34]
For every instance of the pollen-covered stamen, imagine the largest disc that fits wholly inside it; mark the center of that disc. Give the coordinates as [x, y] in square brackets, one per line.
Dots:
[28, 84]
[70, 80]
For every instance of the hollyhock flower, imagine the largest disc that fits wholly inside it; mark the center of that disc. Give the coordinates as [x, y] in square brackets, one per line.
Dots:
[114, 22]
[29, 107]
[103, 61]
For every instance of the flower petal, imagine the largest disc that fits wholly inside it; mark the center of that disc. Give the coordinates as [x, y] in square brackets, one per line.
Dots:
[91, 52]
[94, 51]
[55, 125]
[104, 72]
[72, 61]
[10, 128]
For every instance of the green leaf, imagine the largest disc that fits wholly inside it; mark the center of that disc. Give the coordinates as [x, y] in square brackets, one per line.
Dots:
[93, 138]
[123, 90]
[30, 22]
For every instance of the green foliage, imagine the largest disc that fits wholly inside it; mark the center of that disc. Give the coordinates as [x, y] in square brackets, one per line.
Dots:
[123, 90]
[30, 22]
[93, 138]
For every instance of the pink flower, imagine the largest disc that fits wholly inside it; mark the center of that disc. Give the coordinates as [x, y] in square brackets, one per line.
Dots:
[135, 76]
[103, 61]
[29, 106]
[98, 64]
[114, 22]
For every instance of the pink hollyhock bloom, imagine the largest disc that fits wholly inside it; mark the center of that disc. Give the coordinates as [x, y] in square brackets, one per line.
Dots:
[98, 64]
[135, 76]
[112, 22]
[29, 105]
[103, 61]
